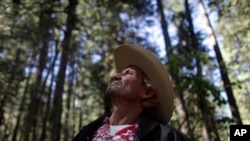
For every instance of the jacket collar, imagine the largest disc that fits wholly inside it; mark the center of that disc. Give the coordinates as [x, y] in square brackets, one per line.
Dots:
[146, 124]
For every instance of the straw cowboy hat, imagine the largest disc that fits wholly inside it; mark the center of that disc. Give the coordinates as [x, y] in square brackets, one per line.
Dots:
[126, 55]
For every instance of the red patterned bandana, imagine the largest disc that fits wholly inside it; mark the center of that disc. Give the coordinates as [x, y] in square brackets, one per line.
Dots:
[125, 134]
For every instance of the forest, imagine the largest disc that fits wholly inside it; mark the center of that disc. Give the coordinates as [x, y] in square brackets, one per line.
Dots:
[56, 61]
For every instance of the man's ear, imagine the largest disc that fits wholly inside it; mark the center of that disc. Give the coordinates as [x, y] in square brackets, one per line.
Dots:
[148, 92]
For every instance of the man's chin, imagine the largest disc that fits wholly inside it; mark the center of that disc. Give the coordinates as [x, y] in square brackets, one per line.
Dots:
[110, 90]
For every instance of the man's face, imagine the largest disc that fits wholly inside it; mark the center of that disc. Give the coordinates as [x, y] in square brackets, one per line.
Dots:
[126, 85]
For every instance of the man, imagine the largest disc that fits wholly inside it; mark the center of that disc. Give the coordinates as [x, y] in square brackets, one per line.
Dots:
[143, 101]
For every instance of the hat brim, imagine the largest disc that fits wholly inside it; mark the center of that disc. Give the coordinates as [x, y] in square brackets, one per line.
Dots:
[126, 55]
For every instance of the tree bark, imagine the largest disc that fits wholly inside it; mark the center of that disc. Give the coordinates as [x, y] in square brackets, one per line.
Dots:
[66, 128]
[21, 108]
[48, 103]
[209, 130]
[57, 103]
[31, 118]
[164, 27]
[181, 108]
[222, 66]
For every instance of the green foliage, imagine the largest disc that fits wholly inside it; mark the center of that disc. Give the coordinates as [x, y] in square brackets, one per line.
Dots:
[233, 26]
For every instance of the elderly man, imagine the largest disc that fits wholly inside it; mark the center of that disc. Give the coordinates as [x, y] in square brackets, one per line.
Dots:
[143, 101]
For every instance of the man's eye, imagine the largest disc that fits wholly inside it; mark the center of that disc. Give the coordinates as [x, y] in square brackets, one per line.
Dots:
[129, 72]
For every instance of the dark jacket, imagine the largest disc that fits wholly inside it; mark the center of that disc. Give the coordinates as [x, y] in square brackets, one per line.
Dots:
[148, 130]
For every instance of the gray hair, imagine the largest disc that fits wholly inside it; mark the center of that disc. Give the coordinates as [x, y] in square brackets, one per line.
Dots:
[150, 104]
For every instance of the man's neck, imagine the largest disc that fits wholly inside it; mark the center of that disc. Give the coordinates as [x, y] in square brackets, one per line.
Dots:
[123, 116]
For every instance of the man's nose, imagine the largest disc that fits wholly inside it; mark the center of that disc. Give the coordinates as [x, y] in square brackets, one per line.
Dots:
[117, 76]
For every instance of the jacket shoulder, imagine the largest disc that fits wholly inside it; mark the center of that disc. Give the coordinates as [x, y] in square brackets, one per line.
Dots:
[88, 131]
[169, 133]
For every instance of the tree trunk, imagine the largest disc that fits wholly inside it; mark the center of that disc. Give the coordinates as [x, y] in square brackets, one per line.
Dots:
[164, 27]
[57, 103]
[208, 128]
[66, 128]
[21, 108]
[36, 93]
[47, 109]
[222, 66]
[181, 108]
